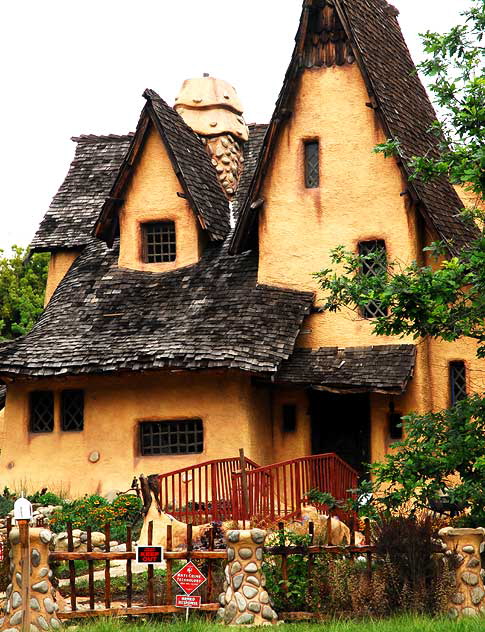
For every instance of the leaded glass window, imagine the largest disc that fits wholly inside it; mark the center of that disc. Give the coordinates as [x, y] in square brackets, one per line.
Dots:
[374, 264]
[312, 164]
[41, 411]
[72, 410]
[171, 437]
[457, 381]
[159, 243]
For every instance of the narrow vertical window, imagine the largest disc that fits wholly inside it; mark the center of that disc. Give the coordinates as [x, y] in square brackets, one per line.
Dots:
[289, 417]
[457, 381]
[159, 243]
[312, 164]
[72, 410]
[41, 411]
[374, 264]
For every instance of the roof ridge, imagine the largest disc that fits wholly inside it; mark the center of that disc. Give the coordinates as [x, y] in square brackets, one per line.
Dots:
[93, 138]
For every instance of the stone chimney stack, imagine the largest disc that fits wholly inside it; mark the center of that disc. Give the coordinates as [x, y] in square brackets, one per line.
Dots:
[212, 109]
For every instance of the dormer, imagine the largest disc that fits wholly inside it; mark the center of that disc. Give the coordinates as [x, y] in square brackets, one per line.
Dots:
[166, 203]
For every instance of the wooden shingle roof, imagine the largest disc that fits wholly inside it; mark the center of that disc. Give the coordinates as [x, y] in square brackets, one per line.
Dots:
[3, 396]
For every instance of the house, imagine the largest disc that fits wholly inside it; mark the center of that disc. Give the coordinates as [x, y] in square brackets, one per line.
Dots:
[183, 319]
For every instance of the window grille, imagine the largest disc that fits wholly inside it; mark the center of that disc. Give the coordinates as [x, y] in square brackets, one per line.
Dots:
[375, 264]
[41, 411]
[171, 437]
[289, 417]
[159, 244]
[312, 164]
[72, 410]
[457, 381]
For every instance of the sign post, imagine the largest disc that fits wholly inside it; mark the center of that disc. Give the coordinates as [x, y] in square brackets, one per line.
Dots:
[189, 578]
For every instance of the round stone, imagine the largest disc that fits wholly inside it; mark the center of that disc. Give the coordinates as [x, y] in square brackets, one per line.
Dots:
[251, 568]
[264, 597]
[469, 612]
[16, 600]
[267, 613]
[259, 553]
[250, 591]
[258, 535]
[227, 575]
[230, 612]
[222, 599]
[44, 572]
[253, 580]
[33, 628]
[470, 578]
[18, 578]
[49, 605]
[241, 602]
[237, 580]
[477, 595]
[220, 613]
[468, 549]
[8, 591]
[230, 553]
[45, 536]
[55, 623]
[35, 555]
[245, 619]
[16, 618]
[14, 536]
[41, 587]
[94, 456]
[34, 603]
[235, 568]
[233, 536]
[245, 553]
[228, 595]
[254, 606]
[42, 622]
[458, 598]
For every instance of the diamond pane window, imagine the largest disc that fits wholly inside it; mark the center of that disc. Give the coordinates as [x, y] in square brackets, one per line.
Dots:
[373, 266]
[72, 410]
[312, 164]
[457, 381]
[159, 244]
[171, 437]
[41, 411]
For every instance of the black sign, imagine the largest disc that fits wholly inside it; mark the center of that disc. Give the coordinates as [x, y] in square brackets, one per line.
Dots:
[149, 554]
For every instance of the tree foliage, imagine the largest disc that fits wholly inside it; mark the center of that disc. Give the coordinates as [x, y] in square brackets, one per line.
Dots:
[22, 288]
[444, 300]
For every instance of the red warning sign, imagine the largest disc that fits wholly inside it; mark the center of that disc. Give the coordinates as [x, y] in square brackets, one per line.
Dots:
[189, 578]
[188, 601]
[149, 554]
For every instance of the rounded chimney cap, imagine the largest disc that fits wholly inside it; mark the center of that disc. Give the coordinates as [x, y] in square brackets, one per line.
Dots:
[207, 92]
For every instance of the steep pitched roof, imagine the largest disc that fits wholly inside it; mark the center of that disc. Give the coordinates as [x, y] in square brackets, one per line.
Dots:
[379, 369]
[75, 208]
[374, 39]
[3, 396]
[252, 149]
[103, 318]
[191, 164]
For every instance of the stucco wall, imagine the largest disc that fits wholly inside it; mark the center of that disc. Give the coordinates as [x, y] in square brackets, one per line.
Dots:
[59, 264]
[152, 196]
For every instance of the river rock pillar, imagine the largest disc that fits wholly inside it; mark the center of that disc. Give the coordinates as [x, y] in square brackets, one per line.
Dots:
[468, 594]
[245, 600]
[41, 608]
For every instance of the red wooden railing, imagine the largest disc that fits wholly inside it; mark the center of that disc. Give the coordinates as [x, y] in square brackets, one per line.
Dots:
[201, 493]
[278, 491]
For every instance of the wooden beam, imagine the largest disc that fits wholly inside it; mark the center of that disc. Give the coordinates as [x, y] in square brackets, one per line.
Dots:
[122, 612]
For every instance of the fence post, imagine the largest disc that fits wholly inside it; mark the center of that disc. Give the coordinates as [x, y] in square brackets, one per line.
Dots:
[244, 484]
[40, 611]
[245, 600]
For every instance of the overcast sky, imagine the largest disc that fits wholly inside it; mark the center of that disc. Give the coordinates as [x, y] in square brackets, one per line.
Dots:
[73, 67]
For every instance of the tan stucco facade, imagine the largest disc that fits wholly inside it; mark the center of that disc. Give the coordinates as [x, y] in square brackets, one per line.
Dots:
[59, 263]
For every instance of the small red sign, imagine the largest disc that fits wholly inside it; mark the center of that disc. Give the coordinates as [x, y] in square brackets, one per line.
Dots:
[149, 554]
[189, 578]
[187, 601]
[1, 551]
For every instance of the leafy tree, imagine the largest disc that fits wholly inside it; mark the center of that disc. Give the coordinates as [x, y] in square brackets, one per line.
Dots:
[445, 300]
[22, 288]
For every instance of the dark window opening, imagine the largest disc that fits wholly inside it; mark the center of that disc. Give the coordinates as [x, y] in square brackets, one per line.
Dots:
[395, 423]
[312, 164]
[41, 411]
[374, 264]
[457, 381]
[159, 243]
[171, 437]
[289, 417]
[72, 410]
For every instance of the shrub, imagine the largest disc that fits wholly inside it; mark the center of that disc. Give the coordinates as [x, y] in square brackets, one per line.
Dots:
[45, 498]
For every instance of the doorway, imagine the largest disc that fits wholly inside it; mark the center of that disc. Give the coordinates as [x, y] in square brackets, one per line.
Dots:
[341, 424]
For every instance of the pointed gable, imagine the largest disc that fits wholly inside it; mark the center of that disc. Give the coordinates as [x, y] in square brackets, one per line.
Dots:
[191, 165]
[337, 32]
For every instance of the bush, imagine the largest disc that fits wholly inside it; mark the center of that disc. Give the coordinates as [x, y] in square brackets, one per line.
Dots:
[46, 498]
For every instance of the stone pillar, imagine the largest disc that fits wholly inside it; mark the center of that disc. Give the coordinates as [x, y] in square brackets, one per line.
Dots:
[245, 600]
[465, 544]
[42, 606]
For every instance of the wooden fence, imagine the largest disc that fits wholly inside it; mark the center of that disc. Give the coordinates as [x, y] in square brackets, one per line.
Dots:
[210, 555]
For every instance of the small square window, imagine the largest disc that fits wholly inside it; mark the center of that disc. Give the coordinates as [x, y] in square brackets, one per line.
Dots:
[374, 264]
[457, 381]
[171, 437]
[312, 164]
[159, 243]
[41, 411]
[72, 410]
[289, 417]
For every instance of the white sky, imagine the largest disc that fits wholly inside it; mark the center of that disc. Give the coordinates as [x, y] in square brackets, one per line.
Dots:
[72, 67]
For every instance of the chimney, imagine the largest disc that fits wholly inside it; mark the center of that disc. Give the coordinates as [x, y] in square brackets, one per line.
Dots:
[212, 109]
